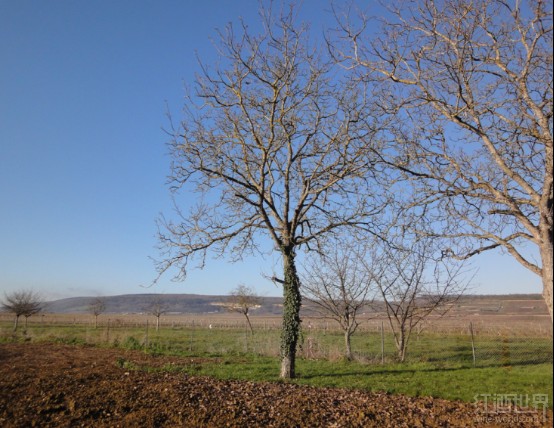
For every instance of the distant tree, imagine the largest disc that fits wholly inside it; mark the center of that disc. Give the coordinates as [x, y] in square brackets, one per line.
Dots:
[339, 287]
[241, 300]
[25, 302]
[97, 307]
[414, 283]
[158, 308]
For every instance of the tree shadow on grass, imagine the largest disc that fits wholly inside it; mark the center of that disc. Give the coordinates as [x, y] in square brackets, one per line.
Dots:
[356, 371]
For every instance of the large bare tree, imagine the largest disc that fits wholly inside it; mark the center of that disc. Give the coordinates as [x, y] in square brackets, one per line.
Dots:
[339, 287]
[471, 85]
[24, 302]
[272, 145]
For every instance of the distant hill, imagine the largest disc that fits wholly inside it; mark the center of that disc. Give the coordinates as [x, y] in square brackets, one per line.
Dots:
[173, 303]
[531, 304]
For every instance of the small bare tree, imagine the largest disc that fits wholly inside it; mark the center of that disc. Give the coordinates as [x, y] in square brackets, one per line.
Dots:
[241, 300]
[339, 287]
[414, 285]
[158, 308]
[25, 302]
[97, 307]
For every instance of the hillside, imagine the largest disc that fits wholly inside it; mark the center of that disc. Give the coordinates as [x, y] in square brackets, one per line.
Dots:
[529, 304]
[172, 303]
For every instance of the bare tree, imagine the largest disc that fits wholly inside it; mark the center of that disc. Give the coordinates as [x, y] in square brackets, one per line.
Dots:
[471, 85]
[97, 307]
[25, 302]
[414, 284]
[339, 287]
[241, 300]
[277, 148]
[158, 308]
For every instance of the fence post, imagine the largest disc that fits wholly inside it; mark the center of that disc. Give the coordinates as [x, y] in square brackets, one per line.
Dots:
[382, 343]
[472, 342]
[191, 336]
[146, 338]
[245, 338]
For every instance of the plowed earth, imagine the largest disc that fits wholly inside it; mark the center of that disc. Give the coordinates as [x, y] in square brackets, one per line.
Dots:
[65, 386]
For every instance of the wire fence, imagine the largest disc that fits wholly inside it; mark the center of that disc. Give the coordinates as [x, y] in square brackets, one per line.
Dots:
[475, 348]
[461, 343]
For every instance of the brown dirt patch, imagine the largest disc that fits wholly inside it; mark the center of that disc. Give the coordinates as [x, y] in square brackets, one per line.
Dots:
[66, 386]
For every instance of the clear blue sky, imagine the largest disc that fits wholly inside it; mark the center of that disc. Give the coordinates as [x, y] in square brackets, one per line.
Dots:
[84, 89]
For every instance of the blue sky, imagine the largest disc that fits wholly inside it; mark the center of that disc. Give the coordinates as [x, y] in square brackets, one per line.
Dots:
[84, 91]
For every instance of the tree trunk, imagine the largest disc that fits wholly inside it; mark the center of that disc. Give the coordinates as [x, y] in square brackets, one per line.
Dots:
[547, 276]
[157, 323]
[348, 347]
[16, 321]
[402, 345]
[402, 351]
[249, 324]
[291, 315]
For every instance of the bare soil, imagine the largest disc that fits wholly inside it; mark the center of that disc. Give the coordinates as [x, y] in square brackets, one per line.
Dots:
[67, 386]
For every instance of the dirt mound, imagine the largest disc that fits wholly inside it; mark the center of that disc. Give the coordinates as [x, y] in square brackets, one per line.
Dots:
[66, 386]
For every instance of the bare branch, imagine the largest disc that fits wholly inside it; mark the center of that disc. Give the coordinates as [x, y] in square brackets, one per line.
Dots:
[470, 88]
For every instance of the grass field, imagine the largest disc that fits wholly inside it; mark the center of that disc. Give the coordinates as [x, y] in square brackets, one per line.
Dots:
[438, 364]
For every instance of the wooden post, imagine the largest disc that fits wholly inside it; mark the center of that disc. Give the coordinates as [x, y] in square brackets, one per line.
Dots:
[245, 338]
[191, 336]
[382, 343]
[146, 338]
[472, 342]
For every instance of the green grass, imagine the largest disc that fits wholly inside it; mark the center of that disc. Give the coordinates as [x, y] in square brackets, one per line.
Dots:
[423, 379]
[437, 365]
[413, 379]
